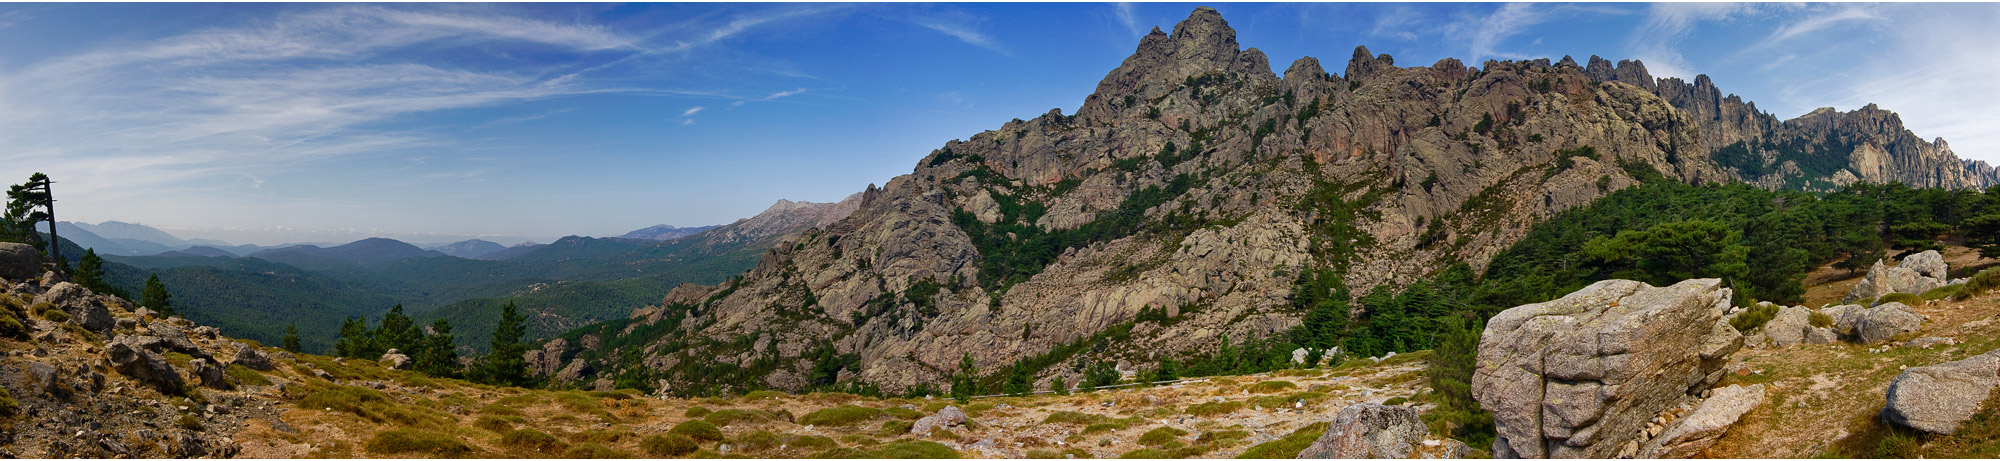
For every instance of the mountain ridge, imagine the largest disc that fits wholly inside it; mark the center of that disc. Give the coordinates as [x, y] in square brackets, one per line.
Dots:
[1196, 183]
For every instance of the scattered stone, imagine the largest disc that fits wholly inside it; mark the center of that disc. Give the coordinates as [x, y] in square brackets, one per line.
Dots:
[250, 357]
[144, 366]
[1915, 274]
[1938, 398]
[948, 417]
[1928, 341]
[174, 339]
[1700, 429]
[19, 261]
[1580, 376]
[45, 379]
[211, 375]
[395, 360]
[1880, 323]
[1366, 430]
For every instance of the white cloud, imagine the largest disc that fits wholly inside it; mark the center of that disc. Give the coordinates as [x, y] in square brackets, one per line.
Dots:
[1129, 18]
[691, 111]
[956, 28]
[1657, 39]
[1484, 35]
[782, 94]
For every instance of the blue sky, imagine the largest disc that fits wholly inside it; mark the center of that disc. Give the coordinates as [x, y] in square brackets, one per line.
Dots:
[266, 123]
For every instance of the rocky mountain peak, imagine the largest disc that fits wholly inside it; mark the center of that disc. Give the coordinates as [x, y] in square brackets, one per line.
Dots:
[1628, 71]
[1364, 64]
[1304, 67]
[1202, 44]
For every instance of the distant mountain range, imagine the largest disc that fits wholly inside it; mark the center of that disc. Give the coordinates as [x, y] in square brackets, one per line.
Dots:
[255, 292]
[665, 232]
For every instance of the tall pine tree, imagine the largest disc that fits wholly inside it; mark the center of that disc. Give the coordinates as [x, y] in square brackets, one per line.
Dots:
[291, 338]
[507, 363]
[437, 356]
[156, 297]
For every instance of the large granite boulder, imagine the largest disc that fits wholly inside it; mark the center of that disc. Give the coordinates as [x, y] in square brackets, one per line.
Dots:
[1578, 377]
[948, 417]
[1917, 273]
[1875, 324]
[395, 359]
[1928, 263]
[19, 262]
[83, 307]
[1366, 430]
[1699, 429]
[250, 357]
[144, 366]
[175, 339]
[1938, 398]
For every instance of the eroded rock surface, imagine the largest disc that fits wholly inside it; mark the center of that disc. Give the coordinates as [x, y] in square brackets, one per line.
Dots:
[1699, 429]
[1939, 398]
[1366, 430]
[1577, 377]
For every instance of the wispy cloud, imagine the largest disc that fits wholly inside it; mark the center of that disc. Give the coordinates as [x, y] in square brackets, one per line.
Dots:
[783, 94]
[956, 26]
[1128, 17]
[1484, 35]
[1657, 39]
[691, 111]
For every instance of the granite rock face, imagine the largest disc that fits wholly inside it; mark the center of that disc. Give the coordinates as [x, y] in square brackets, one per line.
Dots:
[1915, 274]
[934, 264]
[1939, 398]
[19, 261]
[1578, 376]
[1366, 430]
[1699, 429]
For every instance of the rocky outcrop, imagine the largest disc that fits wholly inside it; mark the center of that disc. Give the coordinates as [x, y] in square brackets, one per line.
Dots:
[1870, 325]
[1366, 430]
[1916, 273]
[84, 308]
[395, 359]
[19, 262]
[144, 366]
[250, 357]
[1578, 376]
[1696, 431]
[948, 417]
[549, 359]
[1939, 398]
[1792, 325]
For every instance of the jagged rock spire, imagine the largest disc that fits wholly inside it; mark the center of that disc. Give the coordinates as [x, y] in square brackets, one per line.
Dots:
[1201, 44]
[1364, 64]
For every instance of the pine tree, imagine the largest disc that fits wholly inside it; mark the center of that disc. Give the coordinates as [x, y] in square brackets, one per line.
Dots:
[963, 382]
[507, 364]
[399, 332]
[156, 297]
[90, 273]
[438, 358]
[355, 340]
[291, 338]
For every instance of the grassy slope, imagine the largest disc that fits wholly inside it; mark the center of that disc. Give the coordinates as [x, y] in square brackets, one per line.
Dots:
[1823, 400]
[442, 417]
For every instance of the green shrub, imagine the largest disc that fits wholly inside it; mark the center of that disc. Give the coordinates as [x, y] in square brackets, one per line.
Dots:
[1214, 408]
[1272, 386]
[698, 430]
[406, 441]
[1756, 316]
[732, 416]
[530, 439]
[904, 413]
[763, 395]
[11, 327]
[1980, 283]
[8, 407]
[1103, 427]
[697, 412]
[493, 424]
[844, 415]
[1286, 447]
[55, 315]
[1943, 292]
[1396, 401]
[1160, 436]
[500, 410]
[246, 376]
[1220, 437]
[669, 445]
[189, 422]
[1071, 417]
[896, 427]
[1905, 298]
[591, 451]
[342, 398]
[1819, 319]
[913, 449]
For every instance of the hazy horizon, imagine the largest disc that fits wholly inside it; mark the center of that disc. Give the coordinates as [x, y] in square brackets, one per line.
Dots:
[276, 123]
